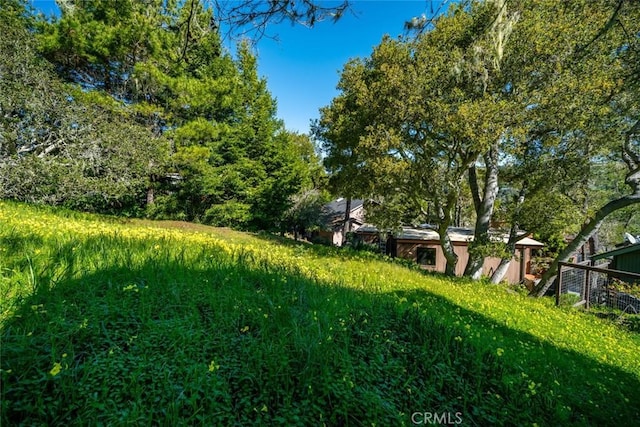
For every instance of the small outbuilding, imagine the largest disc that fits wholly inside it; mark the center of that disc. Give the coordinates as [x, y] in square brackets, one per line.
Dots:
[625, 258]
[422, 245]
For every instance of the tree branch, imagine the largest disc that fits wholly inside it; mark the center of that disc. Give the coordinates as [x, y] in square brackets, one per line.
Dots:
[603, 30]
[257, 14]
[587, 231]
[632, 159]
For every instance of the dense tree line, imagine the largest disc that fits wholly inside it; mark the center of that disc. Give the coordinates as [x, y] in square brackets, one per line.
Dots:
[524, 108]
[135, 107]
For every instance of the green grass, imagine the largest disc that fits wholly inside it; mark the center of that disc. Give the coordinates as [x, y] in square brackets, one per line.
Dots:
[107, 321]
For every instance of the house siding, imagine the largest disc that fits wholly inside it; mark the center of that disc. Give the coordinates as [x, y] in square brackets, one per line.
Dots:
[520, 265]
[627, 262]
[625, 258]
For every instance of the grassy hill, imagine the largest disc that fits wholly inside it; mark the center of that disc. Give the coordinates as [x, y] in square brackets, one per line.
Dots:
[108, 321]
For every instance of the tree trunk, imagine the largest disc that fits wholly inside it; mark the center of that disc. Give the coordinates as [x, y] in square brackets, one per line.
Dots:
[632, 160]
[594, 245]
[505, 261]
[447, 249]
[445, 215]
[150, 196]
[347, 221]
[484, 211]
[501, 271]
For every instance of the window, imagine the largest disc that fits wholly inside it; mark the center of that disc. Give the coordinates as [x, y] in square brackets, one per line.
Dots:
[426, 256]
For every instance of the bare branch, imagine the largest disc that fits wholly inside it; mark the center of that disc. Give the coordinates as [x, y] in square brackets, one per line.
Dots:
[187, 33]
[422, 23]
[251, 17]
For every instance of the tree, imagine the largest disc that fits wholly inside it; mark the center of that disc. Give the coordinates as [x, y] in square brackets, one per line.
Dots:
[623, 22]
[418, 115]
[292, 173]
[306, 213]
[547, 134]
[631, 157]
[57, 144]
[568, 113]
[232, 163]
[547, 115]
[509, 99]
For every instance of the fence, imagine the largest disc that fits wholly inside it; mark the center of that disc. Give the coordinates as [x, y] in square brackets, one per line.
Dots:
[586, 285]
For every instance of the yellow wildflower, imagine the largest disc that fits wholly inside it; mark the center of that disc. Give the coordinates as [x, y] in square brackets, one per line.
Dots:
[57, 367]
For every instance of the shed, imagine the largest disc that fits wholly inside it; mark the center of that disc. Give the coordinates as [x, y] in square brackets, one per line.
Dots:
[626, 258]
[422, 245]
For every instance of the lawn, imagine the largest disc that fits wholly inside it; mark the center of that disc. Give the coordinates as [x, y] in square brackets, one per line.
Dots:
[110, 321]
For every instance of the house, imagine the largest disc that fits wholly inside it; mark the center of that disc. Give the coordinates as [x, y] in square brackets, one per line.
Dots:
[422, 245]
[335, 212]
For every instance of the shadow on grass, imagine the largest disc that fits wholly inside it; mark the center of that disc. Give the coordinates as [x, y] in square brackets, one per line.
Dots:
[227, 343]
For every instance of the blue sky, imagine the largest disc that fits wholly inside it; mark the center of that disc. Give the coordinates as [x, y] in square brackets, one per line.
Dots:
[302, 67]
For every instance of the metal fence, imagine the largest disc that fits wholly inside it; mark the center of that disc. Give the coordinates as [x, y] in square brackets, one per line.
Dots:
[587, 285]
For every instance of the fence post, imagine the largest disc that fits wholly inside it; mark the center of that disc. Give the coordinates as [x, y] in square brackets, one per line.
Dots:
[559, 284]
[587, 286]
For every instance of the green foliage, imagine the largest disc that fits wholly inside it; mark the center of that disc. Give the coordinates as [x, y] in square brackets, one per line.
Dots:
[496, 248]
[231, 212]
[60, 145]
[238, 167]
[306, 213]
[153, 110]
[414, 116]
[531, 94]
[554, 222]
[573, 122]
[130, 322]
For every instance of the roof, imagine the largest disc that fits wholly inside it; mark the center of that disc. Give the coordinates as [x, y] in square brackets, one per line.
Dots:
[620, 251]
[338, 206]
[456, 234]
[334, 212]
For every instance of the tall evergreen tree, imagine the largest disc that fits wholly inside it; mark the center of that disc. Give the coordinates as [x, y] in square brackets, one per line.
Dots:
[231, 161]
[59, 144]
